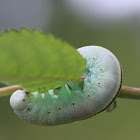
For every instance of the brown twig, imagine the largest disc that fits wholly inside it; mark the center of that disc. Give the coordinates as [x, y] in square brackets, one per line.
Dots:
[129, 93]
[9, 90]
[125, 92]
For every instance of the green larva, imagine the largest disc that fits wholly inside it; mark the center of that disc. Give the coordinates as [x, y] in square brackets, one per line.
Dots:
[75, 101]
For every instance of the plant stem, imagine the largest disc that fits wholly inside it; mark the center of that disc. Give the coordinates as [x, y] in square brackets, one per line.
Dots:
[125, 92]
[9, 90]
[129, 93]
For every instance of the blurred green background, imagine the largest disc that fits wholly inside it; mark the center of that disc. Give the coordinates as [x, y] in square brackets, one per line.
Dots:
[113, 25]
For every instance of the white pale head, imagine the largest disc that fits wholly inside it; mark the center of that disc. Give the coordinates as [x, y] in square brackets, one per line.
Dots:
[19, 100]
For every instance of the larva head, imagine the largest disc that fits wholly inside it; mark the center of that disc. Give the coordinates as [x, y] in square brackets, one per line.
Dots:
[19, 100]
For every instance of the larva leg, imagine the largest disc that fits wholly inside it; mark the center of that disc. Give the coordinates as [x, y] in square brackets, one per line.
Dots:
[112, 106]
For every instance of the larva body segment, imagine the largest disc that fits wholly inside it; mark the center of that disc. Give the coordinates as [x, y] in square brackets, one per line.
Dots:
[77, 101]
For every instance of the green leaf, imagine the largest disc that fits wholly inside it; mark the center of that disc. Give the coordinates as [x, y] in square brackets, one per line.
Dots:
[35, 60]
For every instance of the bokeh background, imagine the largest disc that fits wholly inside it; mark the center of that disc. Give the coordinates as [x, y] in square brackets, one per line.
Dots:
[114, 25]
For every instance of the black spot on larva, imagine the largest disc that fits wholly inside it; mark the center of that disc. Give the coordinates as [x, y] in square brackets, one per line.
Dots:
[98, 83]
[73, 103]
[93, 58]
[28, 109]
[23, 99]
[100, 69]
[26, 93]
[59, 108]
[88, 95]
[49, 112]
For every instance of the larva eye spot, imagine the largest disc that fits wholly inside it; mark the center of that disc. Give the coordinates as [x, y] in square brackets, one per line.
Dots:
[19, 100]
